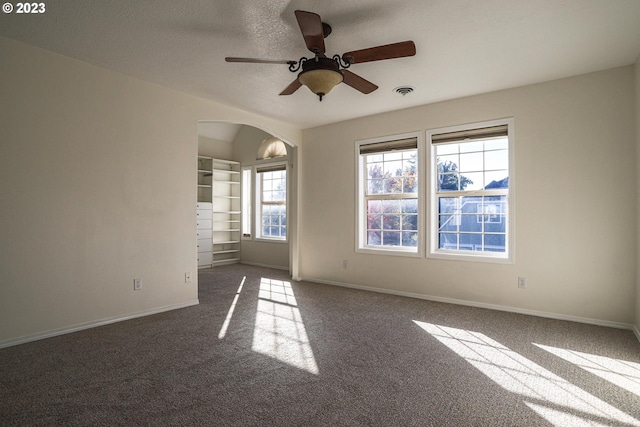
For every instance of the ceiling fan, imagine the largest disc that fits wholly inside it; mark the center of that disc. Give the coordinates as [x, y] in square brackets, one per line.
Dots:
[321, 73]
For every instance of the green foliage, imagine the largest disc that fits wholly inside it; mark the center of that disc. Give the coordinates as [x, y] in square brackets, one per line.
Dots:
[449, 178]
[402, 181]
[392, 222]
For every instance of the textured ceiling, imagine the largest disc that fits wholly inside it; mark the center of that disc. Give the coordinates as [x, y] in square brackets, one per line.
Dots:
[464, 47]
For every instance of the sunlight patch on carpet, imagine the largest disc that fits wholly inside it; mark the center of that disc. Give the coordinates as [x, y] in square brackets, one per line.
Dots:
[622, 373]
[227, 320]
[550, 396]
[279, 330]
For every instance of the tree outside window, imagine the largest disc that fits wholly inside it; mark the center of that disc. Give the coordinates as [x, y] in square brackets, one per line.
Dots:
[391, 199]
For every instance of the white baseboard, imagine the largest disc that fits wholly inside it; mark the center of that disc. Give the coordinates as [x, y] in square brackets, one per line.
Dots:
[636, 331]
[557, 316]
[88, 325]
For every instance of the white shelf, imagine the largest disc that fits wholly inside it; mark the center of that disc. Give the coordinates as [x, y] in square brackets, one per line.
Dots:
[226, 208]
[219, 196]
[228, 172]
[204, 211]
[226, 162]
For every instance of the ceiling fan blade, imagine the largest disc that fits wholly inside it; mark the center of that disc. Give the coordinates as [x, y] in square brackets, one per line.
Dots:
[378, 53]
[293, 86]
[311, 26]
[258, 61]
[357, 82]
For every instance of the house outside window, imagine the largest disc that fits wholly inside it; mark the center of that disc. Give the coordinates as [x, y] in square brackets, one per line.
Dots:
[389, 202]
[271, 201]
[470, 190]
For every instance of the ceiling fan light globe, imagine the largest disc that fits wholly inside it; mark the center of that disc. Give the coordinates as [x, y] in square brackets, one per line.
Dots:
[320, 81]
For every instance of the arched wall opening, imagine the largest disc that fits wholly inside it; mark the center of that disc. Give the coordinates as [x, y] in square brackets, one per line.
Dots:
[239, 142]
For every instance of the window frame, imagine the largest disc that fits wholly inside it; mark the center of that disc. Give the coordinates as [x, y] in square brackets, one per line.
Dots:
[361, 199]
[257, 224]
[433, 251]
[246, 203]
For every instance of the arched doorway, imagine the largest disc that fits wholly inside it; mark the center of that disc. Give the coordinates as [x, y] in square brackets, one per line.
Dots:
[240, 142]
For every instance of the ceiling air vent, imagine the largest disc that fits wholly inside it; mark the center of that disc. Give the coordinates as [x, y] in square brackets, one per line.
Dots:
[403, 90]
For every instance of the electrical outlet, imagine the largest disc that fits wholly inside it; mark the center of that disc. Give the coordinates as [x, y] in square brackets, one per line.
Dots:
[522, 282]
[137, 284]
[187, 277]
[345, 263]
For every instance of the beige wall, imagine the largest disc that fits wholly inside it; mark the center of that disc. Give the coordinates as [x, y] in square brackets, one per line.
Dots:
[254, 252]
[637, 319]
[574, 189]
[215, 148]
[97, 176]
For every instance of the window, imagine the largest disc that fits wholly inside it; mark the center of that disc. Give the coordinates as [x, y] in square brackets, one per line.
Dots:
[271, 200]
[470, 215]
[389, 201]
[246, 202]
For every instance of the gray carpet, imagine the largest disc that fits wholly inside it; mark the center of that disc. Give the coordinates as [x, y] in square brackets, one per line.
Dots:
[267, 351]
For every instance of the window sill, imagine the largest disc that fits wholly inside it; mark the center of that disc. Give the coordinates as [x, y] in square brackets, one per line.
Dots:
[392, 252]
[265, 240]
[453, 256]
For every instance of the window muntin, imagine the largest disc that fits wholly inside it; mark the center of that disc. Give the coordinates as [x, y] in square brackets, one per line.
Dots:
[389, 196]
[272, 191]
[470, 193]
[472, 166]
[391, 199]
[472, 223]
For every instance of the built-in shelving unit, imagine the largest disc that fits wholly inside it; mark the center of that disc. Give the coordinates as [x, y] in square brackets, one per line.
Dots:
[205, 179]
[204, 212]
[218, 212]
[226, 212]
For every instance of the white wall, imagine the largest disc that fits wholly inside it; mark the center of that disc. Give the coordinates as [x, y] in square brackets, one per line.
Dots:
[637, 319]
[97, 176]
[217, 148]
[274, 254]
[575, 202]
